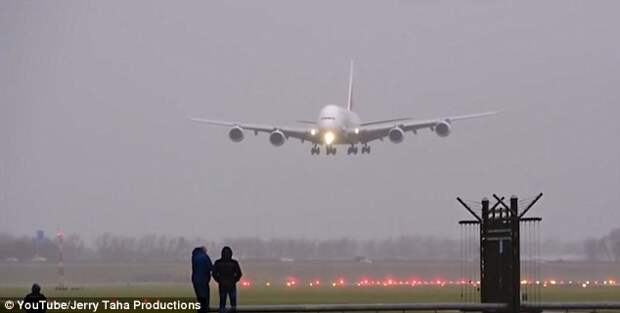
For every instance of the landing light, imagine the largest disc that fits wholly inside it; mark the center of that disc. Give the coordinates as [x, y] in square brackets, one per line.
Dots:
[313, 132]
[356, 131]
[329, 137]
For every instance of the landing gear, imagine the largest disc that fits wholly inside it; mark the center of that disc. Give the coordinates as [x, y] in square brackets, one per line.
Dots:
[330, 150]
[365, 149]
[315, 150]
[352, 150]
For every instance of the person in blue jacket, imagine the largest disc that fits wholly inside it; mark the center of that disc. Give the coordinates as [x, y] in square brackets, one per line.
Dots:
[201, 276]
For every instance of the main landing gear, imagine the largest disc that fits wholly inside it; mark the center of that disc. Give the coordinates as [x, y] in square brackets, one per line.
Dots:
[331, 150]
[365, 149]
[315, 150]
[352, 150]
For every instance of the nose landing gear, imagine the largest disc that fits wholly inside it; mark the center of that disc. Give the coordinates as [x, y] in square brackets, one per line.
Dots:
[330, 150]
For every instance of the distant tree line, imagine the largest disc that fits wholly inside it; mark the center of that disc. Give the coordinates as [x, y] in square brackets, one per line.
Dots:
[157, 248]
[606, 248]
[146, 248]
[27, 248]
[401, 248]
[151, 247]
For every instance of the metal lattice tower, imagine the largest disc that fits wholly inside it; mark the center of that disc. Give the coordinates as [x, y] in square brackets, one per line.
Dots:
[499, 250]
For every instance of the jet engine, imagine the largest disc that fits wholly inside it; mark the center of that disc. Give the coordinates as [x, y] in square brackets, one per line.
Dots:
[236, 134]
[396, 135]
[277, 138]
[443, 129]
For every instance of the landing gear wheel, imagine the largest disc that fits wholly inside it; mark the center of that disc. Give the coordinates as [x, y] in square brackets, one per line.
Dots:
[315, 150]
[352, 150]
[330, 150]
[365, 149]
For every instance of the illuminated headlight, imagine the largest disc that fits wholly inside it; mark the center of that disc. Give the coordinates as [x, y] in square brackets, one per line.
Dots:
[328, 138]
[356, 131]
[313, 132]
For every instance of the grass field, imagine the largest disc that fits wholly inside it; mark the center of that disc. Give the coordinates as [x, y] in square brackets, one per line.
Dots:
[168, 292]
[258, 272]
[170, 280]
[304, 295]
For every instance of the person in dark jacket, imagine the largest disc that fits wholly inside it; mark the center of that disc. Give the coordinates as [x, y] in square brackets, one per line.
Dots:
[201, 275]
[227, 273]
[34, 299]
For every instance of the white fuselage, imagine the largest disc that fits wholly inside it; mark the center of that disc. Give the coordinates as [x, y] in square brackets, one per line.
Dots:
[337, 125]
[337, 119]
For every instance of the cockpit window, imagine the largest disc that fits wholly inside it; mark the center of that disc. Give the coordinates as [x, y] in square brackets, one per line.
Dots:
[328, 118]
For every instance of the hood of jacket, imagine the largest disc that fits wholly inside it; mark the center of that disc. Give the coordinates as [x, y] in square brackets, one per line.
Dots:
[227, 253]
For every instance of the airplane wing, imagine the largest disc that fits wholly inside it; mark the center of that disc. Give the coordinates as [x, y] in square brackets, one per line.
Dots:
[386, 121]
[306, 122]
[368, 134]
[303, 134]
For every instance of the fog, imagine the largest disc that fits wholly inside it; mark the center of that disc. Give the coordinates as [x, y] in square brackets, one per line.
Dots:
[94, 98]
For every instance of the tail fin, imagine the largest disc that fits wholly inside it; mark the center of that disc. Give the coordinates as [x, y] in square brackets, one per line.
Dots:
[350, 100]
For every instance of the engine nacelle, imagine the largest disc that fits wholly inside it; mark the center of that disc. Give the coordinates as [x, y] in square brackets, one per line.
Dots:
[277, 138]
[396, 135]
[236, 134]
[443, 129]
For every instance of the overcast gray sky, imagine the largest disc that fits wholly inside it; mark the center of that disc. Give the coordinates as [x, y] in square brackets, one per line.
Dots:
[94, 95]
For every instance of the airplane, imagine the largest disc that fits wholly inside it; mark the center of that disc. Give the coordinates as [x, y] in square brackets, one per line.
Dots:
[337, 125]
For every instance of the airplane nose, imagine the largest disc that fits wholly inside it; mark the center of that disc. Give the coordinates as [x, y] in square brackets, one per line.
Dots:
[329, 137]
[327, 124]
